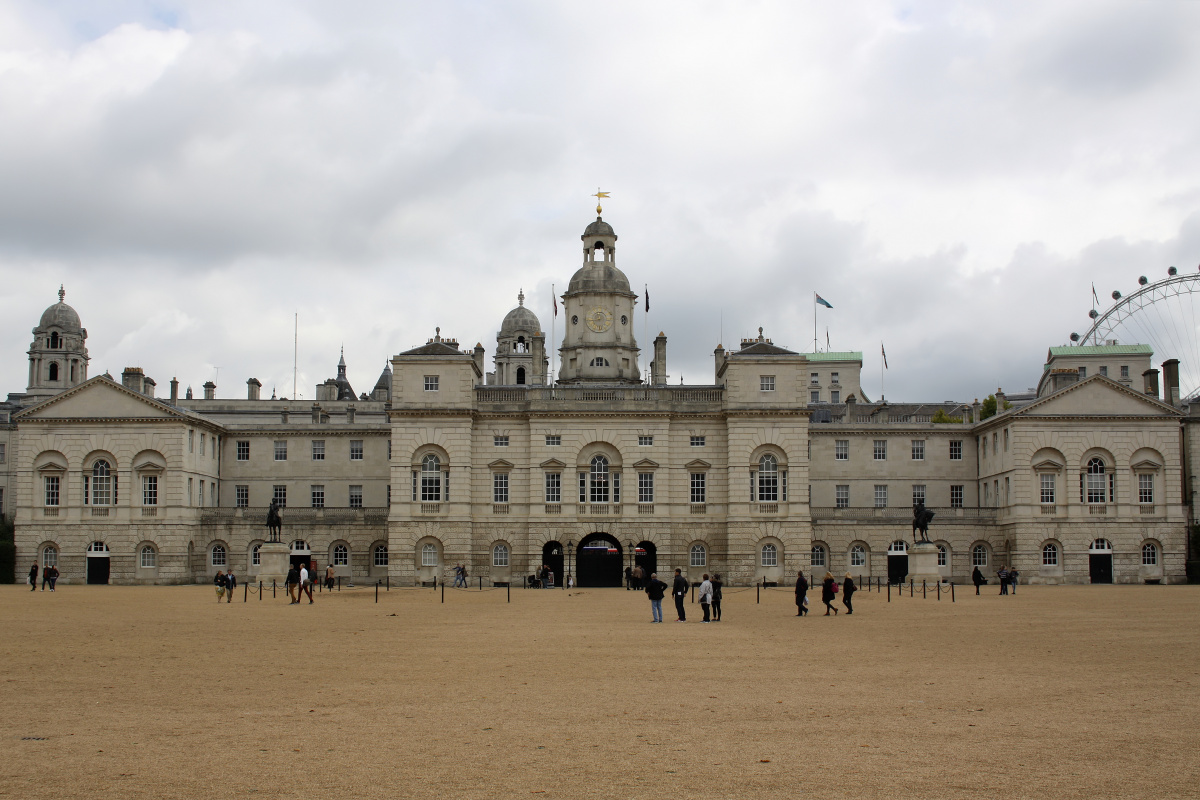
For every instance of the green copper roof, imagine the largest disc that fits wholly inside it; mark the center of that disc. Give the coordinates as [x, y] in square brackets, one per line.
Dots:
[847, 355]
[1103, 350]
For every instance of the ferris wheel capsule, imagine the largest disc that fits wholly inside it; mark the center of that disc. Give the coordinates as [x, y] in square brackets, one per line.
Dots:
[1074, 337]
[1093, 313]
[1116, 295]
[1142, 281]
[1172, 271]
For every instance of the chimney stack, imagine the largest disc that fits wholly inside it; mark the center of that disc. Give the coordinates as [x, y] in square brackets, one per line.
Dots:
[1170, 369]
[131, 379]
[253, 386]
[174, 391]
[210, 390]
[148, 385]
[658, 368]
[1150, 382]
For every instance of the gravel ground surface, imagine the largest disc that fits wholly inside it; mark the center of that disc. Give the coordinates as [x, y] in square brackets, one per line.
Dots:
[1073, 691]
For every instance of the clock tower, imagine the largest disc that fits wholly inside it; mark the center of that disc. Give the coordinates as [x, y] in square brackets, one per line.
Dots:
[598, 346]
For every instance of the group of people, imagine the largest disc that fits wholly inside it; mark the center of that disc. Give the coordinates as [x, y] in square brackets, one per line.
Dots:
[299, 581]
[225, 583]
[49, 576]
[1006, 575]
[635, 578]
[829, 593]
[460, 576]
[543, 578]
[710, 596]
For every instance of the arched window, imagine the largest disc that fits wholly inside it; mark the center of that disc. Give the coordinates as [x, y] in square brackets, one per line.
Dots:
[1149, 555]
[858, 556]
[520, 348]
[598, 480]
[817, 556]
[1096, 481]
[149, 557]
[500, 555]
[699, 556]
[979, 556]
[49, 556]
[769, 555]
[101, 484]
[1050, 555]
[943, 555]
[1100, 546]
[300, 546]
[431, 479]
[256, 556]
[55, 342]
[429, 555]
[53, 371]
[599, 362]
[341, 555]
[381, 555]
[898, 548]
[218, 555]
[520, 376]
[768, 479]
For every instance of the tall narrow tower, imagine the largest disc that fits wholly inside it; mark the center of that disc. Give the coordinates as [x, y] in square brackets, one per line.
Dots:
[58, 357]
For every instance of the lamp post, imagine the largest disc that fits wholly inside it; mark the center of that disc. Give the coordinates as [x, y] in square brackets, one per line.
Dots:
[570, 549]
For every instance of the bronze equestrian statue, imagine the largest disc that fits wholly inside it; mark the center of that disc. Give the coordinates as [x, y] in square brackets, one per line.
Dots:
[274, 521]
[921, 518]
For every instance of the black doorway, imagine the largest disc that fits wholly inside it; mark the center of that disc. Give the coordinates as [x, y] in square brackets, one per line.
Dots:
[897, 568]
[646, 557]
[1101, 567]
[552, 557]
[601, 562]
[97, 569]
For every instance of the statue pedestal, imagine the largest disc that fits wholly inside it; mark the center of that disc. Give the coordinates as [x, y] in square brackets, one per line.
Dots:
[923, 563]
[274, 561]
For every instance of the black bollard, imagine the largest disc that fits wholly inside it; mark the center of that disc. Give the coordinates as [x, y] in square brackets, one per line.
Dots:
[481, 583]
[260, 591]
[508, 592]
[910, 587]
[339, 583]
[757, 594]
[889, 591]
[245, 592]
[376, 591]
[951, 591]
[922, 589]
[939, 597]
[443, 589]
[693, 593]
[387, 586]
[272, 590]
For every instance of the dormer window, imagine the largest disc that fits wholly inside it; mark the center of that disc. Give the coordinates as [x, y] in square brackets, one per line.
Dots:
[599, 362]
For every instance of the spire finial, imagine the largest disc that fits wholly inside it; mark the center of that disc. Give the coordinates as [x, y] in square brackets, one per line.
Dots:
[61, 293]
[599, 195]
[521, 297]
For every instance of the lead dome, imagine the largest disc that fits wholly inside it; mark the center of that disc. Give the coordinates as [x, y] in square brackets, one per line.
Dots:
[60, 315]
[520, 319]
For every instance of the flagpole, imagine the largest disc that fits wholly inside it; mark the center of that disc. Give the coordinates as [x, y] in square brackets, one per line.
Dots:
[553, 325]
[814, 322]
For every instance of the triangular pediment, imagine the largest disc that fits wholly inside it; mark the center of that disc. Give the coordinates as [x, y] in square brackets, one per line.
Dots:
[1145, 465]
[1097, 396]
[500, 463]
[99, 398]
[1048, 465]
[645, 463]
[698, 464]
[552, 463]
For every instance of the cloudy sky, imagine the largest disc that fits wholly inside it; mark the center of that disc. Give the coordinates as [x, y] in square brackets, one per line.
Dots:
[952, 177]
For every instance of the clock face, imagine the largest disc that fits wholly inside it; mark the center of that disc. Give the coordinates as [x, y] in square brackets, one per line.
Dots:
[599, 319]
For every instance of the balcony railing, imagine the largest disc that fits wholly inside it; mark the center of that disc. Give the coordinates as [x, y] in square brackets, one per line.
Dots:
[697, 508]
[1098, 510]
[768, 508]
[1146, 509]
[99, 512]
[1050, 509]
[553, 508]
[149, 511]
[50, 512]
[499, 508]
[645, 508]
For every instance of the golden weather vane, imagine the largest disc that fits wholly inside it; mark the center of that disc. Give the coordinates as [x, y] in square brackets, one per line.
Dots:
[599, 195]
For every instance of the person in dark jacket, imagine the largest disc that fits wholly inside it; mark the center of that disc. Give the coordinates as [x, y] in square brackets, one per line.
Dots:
[801, 594]
[977, 579]
[848, 590]
[828, 593]
[716, 602]
[33, 577]
[1002, 574]
[655, 589]
[219, 585]
[628, 579]
[230, 585]
[293, 580]
[679, 590]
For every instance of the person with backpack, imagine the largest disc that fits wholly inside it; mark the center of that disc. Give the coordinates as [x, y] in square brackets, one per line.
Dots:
[848, 590]
[829, 590]
[655, 589]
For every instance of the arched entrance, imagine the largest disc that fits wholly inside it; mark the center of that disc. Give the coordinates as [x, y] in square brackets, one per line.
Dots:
[97, 563]
[301, 553]
[897, 561]
[1100, 561]
[552, 557]
[645, 555]
[600, 561]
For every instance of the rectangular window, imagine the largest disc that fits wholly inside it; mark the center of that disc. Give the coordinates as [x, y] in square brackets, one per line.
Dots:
[645, 487]
[500, 441]
[841, 450]
[212, 494]
[499, 487]
[241, 496]
[189, 496]
[918, 449]
[149, 490]
[191, 441]
[814, 396]
[381, 556]
[3, 456]
[956, 450]
[1124, 372]
[279, 495]
[881, 495]
[389, 450]
[1104, 371]
[645, 441]
[956, 496]
[281, 449]
[833, 378]
[1006, 440]
[431, 383]
[318, 450]
[814, 378]
[1145, 488]
[942, 555]
[202, 438]
[389, 495]
[243, 451]
[356, 497]
[918, 493]
[985, 446]
[583, 487]
[553, 441]
[318, 496]
[841, 494]
[880, 450]
[356, 449]
[697, 441]
[698, 494]
[835, 396]
[1095, 487]
[1082, 373]
[553, 487]
[766, 383]
[201, 498]
[52, 488]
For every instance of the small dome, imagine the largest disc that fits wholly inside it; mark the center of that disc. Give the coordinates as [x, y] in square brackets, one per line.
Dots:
[599, 228]
[520, 318]
[598, 277]
[60, 315]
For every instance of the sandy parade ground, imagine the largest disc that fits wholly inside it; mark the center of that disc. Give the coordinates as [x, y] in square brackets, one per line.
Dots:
[1075, 691]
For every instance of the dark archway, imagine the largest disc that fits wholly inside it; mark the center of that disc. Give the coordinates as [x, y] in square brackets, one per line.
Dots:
[646, 557]
[552, 557]
[1100, 567]
[520, 376]
[97, 570]
[601, 562]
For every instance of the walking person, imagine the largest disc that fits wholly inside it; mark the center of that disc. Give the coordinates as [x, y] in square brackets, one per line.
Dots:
[51, 573]
[679, 590]
[230, 585]
[33, 577]
[1002, 574]
[977, 579]
[305, 583]
[655, 589]
[801, 593]
[716, 601]
[706, 593]
[1012, 578]
[848, 590]
[628, 579]
[219, 584]
[828, 592]
[293, 578]
[329, 578]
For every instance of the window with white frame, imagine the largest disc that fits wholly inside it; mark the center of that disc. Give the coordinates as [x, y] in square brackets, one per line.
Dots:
[768, 479]
[918, 493]
[431, 479]
[1095, 481]
[431, 383]
[279, 495]
[356, 495]
[218, 555]
[698, 556]
[697, 441]
[1145, 488]
[816, 556]
[1125, 372]
[598, 480]
[814, 378]
[243, 450]
[256, 556]
[149, 490]
[769, 555]
[1006, 440]
[956, 495]
[979, 556]
[698, 493]
[645, 441]
[841, 495]
[766, 383]
[356, 449]
[1050, 555]
[341, 555]
[318, 450]
[1048, 481]
[1149, 555]
[281, 449]
[553, 440]
[52, 484]
[943, 555]
[201, 496]
[553, 487]
[500, 555]
[49, 556]
[241, 495]
[835, 396]
[833, 378]
[148, 557]
[429, 555]
[918, 449]
[189, 492]
[202, 438]
[101, 484]
[956, 450]
[500, 441]
[318, 496]
[645, 487]
[858, 556]
[814, 396]
[380, 555]
[499, 487]
[881, 495]
[191, 441]
[841, 450]
[879, 450]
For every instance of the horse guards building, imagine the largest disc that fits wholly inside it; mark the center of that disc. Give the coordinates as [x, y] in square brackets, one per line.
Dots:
[780, 463]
